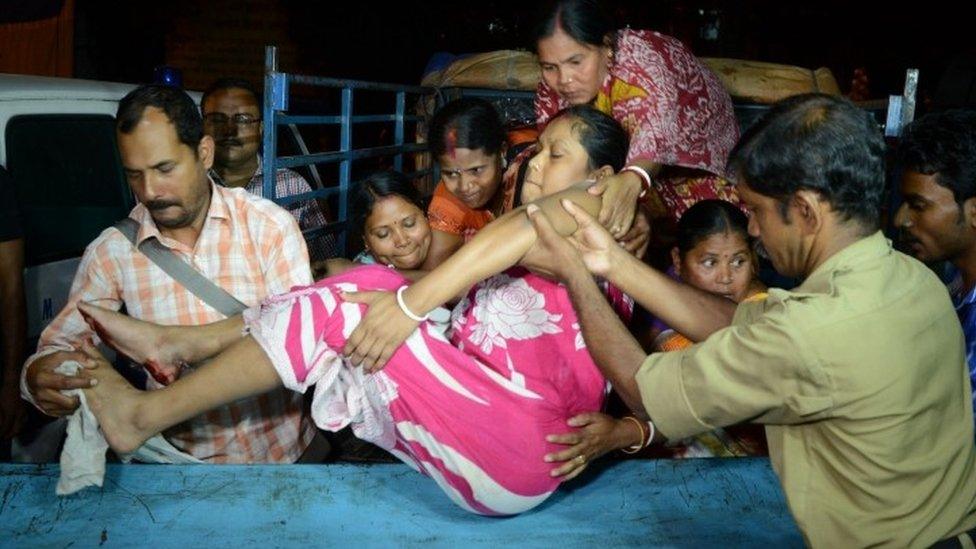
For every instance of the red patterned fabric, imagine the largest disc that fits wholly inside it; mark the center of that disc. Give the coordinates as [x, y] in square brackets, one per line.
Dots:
[677, 193]
[676, 110]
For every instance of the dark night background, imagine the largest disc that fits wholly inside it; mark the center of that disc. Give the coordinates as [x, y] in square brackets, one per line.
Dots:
[123, 41]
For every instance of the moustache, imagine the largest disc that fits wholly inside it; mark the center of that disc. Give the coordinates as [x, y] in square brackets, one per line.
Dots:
[230, 142]
[761, 250]
[154, 205]
[906, 238]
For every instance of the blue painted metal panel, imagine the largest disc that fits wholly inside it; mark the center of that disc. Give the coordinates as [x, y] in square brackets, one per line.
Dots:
[673, 503]
[345, 167]
[279, 91]
[269, 143]
[401, 107]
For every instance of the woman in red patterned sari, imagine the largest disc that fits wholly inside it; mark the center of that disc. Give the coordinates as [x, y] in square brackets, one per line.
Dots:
[677, 113]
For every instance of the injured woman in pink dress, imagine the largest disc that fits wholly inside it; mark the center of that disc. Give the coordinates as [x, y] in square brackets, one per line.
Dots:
[472, 410]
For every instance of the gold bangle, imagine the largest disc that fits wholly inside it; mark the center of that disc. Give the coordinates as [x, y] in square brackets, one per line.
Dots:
[643, 441]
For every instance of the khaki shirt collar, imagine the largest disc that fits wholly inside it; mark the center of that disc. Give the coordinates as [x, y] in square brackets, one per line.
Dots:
[821, 280]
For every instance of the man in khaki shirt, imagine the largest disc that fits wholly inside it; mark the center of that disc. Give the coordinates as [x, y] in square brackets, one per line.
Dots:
[858, 374]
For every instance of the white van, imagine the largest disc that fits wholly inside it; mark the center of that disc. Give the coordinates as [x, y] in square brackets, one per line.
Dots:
[57, 140]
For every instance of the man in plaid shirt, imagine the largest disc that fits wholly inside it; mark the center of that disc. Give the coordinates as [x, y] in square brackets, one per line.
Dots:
[232, 117]
[247, 245]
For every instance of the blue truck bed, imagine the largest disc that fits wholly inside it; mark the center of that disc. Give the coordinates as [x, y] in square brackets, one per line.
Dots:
[672, 503]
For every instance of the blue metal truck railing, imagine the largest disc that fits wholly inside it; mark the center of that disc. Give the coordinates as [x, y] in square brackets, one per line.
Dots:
[277, 88]
[899, 111]
[275, 114]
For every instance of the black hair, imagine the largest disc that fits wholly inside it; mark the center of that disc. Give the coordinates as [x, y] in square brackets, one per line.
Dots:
[709, 217]
[380, 185]
[468, 123]
[816, 142]
[231, 83]
[583, 20]
[943, 144]
[604, 139]
[176, 103]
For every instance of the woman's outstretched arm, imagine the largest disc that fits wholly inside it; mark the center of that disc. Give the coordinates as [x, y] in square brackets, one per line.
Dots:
[500, 245]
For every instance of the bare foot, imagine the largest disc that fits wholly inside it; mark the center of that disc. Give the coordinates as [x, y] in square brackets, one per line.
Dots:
[116, 405]
[143, 342]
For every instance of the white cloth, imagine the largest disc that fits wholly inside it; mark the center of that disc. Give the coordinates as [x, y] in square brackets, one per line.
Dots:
[83, 456]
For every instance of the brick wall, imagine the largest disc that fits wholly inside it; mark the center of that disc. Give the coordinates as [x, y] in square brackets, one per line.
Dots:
[218, 38]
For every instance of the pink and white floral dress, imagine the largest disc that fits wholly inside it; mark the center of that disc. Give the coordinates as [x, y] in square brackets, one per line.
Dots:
[472, 412]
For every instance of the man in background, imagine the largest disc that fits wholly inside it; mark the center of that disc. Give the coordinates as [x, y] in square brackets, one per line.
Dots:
[937, 220]
[232, 117]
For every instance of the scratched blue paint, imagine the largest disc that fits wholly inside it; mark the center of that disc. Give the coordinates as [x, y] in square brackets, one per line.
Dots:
[679, 503]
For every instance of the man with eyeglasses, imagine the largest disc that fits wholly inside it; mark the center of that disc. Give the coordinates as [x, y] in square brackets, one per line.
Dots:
[232, 116]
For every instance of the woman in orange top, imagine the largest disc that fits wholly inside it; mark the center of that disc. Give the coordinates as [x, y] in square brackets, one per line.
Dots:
[469, 143]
